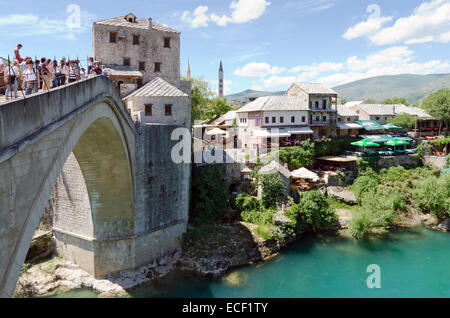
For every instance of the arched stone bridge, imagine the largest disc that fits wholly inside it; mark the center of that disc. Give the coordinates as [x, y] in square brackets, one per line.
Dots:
[82, 136]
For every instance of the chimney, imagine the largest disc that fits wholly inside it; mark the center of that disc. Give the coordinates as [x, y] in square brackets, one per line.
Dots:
[150, 23]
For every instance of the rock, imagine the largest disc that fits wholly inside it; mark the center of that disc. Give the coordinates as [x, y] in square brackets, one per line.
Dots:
[444, 226]
[343, 194]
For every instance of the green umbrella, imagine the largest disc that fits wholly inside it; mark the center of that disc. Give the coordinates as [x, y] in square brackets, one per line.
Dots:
[391, 126]
[365, 143]
[397, 142]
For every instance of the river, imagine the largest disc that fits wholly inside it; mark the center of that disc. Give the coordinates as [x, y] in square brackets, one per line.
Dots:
[413, 263]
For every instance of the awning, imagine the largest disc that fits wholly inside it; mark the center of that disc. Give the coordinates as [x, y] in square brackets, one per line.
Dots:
[337, 159]
[304, 173]
[265, 133]
[300, 131]
[370, 125]
[349, 126]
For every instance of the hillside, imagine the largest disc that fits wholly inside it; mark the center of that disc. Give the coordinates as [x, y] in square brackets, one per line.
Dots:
[412, 87]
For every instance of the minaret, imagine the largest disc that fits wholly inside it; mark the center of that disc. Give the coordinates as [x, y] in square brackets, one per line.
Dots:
[188, 70]
[221, 80]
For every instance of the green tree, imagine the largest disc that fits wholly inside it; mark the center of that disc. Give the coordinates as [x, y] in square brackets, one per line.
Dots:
[404, 120]
[438, 105]
[396, 100]
[204, 104]
[370, 101]
[272, 189]
[312, 212]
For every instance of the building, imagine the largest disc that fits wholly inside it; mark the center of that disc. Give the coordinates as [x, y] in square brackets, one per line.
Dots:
[375, 112]
[273, 117]
[426, 124]
[346, 118]
[159, 102]
[221, 80]
[322, 102]
[137, 50]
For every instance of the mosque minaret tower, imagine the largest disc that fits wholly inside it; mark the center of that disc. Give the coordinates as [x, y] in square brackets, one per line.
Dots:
[220, 80]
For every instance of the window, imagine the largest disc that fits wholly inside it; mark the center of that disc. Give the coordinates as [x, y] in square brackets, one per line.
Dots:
[339, 119]
[243, 120]
[274, 120]
[293, 119]
[157, 67]
[136, 40]
[324, 118]
[281, 119]
[148, 109]
[349, 119]
[310, 104]
[303, 119]
[317, 104]
[168, 110]
[126, 61]
[141, 66]
[267, 120]
[317, 118]
[324, 104]
[167, 42]
[378, 118]
[112, 37]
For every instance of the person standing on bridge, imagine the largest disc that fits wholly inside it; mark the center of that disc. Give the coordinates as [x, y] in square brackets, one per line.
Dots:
[17, 53]
[30, 78]
[12, 74]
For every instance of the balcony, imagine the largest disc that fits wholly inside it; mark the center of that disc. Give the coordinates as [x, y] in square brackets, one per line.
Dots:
[320, 123]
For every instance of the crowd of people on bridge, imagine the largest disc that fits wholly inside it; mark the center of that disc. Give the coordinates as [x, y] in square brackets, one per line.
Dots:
[30, 75]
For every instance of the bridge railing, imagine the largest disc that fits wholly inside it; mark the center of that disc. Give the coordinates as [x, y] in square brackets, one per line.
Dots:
[23, 118]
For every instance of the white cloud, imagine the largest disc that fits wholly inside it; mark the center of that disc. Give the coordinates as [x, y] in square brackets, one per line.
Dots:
[33, 25]
[366, 27]
[321, 67]
[258, 70]
[430, 22]
[198, 18]
[242, 11]
[279, 81]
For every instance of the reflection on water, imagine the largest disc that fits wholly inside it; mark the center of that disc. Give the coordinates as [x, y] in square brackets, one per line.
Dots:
[414, 263]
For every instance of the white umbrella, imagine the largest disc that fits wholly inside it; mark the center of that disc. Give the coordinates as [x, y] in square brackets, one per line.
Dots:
[304, 173]
[216, 131]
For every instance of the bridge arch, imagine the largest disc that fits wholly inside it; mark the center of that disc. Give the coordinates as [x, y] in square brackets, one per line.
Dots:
[99, 136]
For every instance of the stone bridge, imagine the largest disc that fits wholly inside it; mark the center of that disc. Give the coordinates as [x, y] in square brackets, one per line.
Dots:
[81, 138]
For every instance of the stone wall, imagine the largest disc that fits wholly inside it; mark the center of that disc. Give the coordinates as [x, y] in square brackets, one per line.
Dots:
[162, 193]
[386, 162]
[150, 50]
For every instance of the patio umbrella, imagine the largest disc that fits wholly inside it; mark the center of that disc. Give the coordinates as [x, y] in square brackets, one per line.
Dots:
[216, 131]
[304, 173]
[391, 126]
[365, 143]
[397, 142]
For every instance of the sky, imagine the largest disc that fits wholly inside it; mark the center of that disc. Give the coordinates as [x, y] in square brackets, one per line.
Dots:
[264, 44]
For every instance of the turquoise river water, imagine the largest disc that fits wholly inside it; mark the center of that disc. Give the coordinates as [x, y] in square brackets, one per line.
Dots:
[413, 263]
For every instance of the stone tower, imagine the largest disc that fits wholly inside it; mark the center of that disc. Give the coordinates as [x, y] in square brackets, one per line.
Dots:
[221, 80]
[188, 70]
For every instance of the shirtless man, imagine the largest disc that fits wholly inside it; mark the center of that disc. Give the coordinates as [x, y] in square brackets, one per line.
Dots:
[17, 53]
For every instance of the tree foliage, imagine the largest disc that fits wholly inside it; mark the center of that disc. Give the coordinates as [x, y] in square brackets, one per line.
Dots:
[297, 157]
[438, 105]
[209, 199]
[404, 120]
[272, 189]
[395, 100]
[204, 104]
[312, 212]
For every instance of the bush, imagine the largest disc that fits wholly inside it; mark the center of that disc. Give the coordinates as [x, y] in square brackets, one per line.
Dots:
[365, 184]
[272, 189]
[261, 216]
[297, 157]
[447, 162]
[209, 200]
[431, 196]
[245, 202]
[423, 149]
[312, 212]
[374, 212]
